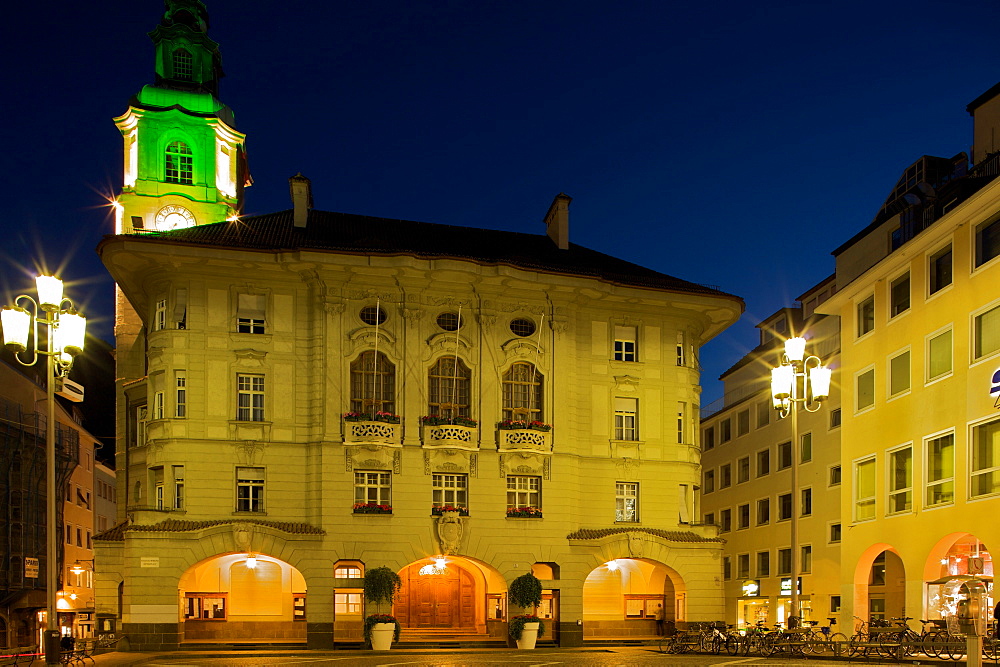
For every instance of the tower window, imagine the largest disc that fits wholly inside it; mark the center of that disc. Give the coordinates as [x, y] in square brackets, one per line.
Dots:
[180, 165]
[183, 65]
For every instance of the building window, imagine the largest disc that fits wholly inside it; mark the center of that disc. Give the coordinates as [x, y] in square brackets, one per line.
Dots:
[626, 421]
[178, 487]
[764, 413]
[681, 356]
[725, 476]
[373, 383]
[938, 355]
[180, 394]
[763, 563]
[625, 343]
[899, 295]
[249, 489]
[939, 271]
[725, 431]
[347, 604]
[743, 422]
[901, 480]
[835, 475]
[743, 566]
[899, 374]
[524, 491]
[763, 511]
[708, 438]
[522, 393]
[347, 572]
[626, 501]
[249, 398]
[784, 562]
[865, 389]
[450, 490]
[784, 455]
[866, 316]
[160, 316]
[205, 606]
[806, 559]
[864, 490]
[763, 462]
[743, 470]
[450, 321]
[727, 568]
[725, 521]
[834, 604]
[806, 448]
[834, 418]
[985, 461]
[784, 507]
[806, 498]
[522, 327]
[448, 394]
[986, 329]
[180, 163]
[835, 532]
[709, 481]
[743, 516]
[183, 65]
[373, 487]
[158, 405]
[940, 470]
[681, 421]
[250, 313]
[987, 241]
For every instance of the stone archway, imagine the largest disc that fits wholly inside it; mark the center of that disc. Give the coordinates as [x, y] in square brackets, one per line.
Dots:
[438, 595]
[954, 554]
[621, 597]
[879, 583]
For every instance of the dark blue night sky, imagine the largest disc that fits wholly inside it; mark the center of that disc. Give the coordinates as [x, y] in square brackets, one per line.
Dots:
[692, 136]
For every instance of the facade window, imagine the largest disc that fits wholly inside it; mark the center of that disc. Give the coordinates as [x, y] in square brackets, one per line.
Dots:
[522, 327]
[373, 315]
[160, 316]
[347, 572]
[373, 487]
[725, 431]
[347, 604]
[806, 559]
[938, 355]
[727, 568]
[183, 65]
[864, 490]
[249, 398]
[180, 394]
[899, 374]
[764, 413]
[899, 295]
[448, 388]
[627, 501]
[834, 604]
[763, 511]
[743, 422]
[178, 487]
[708, 438]
[725, 476]
[725, 520]
[524, 491]
[807, 501]
[743, 516]
[450, 321]
[205, 606]
[939, 270]
[784, 455]
[249, 489]
[987, 241]
[835, 533]
[626, 420]
[743, 470]
[784, 562]
[681, 421]
[784, 507]
[625, 338]
[179, 163]
[158, 405]
[763, 462]
[681, 357]
[806, 448]
[250, 313]
[866, 316]
[835, 418]
[865, 389]
[709, 481]
[450, 490]
[940, 470]
[373, 383]
[522, 393]
[743, 566]
[985, 461]
[901, 480]
[157, 492]
[986, 329]
[835, 475]
[763, 563]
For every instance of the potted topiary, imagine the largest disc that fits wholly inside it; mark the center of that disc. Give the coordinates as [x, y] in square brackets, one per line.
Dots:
[525, 592]
[381, 585]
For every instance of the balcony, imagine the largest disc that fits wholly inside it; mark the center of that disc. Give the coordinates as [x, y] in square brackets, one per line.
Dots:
[452, 436]
[517, 438]
[368, 430]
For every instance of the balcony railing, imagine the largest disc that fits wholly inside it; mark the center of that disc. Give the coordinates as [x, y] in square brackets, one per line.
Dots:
[372, 432]
[452, 436]
[523, 439]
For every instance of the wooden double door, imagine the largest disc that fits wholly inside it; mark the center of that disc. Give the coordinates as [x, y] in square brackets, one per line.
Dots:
[445, 599]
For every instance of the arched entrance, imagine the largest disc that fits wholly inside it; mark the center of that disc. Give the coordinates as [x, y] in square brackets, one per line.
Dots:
[621, 598]
[242, 597]
[954, 554]
[443, 593]
[880, 583]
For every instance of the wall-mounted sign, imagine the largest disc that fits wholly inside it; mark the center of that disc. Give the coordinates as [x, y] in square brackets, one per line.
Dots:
[786, 586]
[751, 588]
[31, 568]
[995, 386]
[149, 561]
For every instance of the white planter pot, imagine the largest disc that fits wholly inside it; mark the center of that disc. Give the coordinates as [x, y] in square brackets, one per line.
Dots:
[529, 635]
[382, 636]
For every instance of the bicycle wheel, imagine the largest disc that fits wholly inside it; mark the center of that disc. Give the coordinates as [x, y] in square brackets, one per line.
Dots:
[666, 644]
[854, 646]
[930, 643]
[889, 646]
[991, 649]
[837, 643]
[733, 644]
[954, 648]
[769, 644]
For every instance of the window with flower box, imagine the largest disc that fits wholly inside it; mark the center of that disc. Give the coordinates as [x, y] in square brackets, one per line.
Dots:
[450, 491]
[372, 492]
[523, 491]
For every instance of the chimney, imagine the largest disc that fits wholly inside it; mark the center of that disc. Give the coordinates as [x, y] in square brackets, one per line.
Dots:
[302, 199]
[557, 220]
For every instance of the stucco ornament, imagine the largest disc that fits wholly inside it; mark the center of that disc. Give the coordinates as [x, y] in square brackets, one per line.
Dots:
[242, 535]
[636, 545]
[449, 530]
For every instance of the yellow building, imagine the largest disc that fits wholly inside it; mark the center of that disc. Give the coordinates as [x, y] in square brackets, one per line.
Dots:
[921, 346]
[304, 394]
[747, 490]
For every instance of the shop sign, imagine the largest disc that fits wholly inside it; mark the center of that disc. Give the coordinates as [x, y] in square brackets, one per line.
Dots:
[751, 588]
[31, 568]
[149, 561]
[786, 586]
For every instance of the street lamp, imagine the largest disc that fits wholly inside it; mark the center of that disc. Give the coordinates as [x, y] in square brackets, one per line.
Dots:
[799, 382]
[65, 331]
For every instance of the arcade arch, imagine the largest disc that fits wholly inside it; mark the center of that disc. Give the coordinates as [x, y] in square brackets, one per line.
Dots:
[457, 593]
[621, 597]
[880, 583]
[955, 554]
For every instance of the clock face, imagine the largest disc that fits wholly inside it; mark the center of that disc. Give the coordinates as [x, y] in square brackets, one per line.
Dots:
[174, 217]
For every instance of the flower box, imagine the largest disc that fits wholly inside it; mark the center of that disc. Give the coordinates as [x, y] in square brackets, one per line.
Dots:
[438, 420]
[372, 508]
[524, 513]
[520, 424]
[387, 417]
[439, 511]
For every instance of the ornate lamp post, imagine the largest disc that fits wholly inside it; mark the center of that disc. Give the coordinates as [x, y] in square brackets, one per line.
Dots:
[799, 382]
[65, 331]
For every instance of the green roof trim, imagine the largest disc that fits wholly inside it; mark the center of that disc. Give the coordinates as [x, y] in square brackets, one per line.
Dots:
[204, 103]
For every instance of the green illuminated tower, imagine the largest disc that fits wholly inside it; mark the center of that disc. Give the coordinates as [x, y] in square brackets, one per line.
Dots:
[184, 160]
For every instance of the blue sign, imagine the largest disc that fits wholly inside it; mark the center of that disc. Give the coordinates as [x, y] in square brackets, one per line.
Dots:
[995, 384]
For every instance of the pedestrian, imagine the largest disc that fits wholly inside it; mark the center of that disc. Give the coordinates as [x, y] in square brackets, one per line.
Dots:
[661, 616]
[996, 620]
